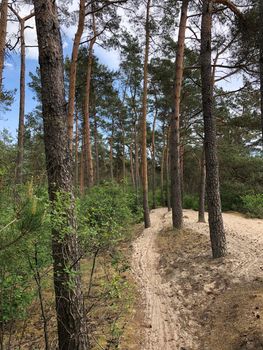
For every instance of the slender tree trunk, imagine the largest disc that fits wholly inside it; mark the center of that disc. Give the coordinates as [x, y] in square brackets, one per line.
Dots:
[21, 125]
[82, 172]
[77, 151]
[96, 147]
[123, 153]
[73, 70]
[87, 139]
[111, 151]
[217, 234]
[136, 159]
[131, 166]
[201, 211]
[261, 65]
[147, 221]
[162, 172]
[153, 161]
[3, 26]
[176, 195]
[72, 332]
[167, 165]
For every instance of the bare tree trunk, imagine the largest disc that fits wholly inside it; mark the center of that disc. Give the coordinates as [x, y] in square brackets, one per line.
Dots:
[82, 173]
[153, 161]
[77, 151]
[147, 221]
[73, 70]
[261, 65]
[168, 195]
[176, 195]
[72, 332]
[111, 151]
[201, 210]
[217, 233]
[96, 147]
[162, 173]
[87, 139]
[21, 125]
[131, 166]
[3, 26]
[136, 159]
[123, 153]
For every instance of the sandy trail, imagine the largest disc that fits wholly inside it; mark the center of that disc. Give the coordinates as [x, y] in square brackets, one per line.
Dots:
[171, 304]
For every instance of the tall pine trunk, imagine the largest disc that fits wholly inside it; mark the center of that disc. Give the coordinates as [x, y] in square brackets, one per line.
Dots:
[96, 147]
[201, 209]
[73, 71]
[72, 333]
[153, 162]
[3, 26]
[147, 222]
[176, 194]
[261, 65]
[217, 233]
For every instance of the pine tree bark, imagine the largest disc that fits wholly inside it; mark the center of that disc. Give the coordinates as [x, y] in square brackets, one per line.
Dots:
[86, 112]
[73, 71]
[176, 195]
[201, 209]
[96, 147]
[131, 165]
[72, 333]
[153, 162]
[217, 233]
[77, 151]
[167, 166]
[261, 65]
[147, 221]
[21, 124]
[3, 26]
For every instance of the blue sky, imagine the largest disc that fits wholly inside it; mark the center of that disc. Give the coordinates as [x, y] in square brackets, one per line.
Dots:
[9, 119]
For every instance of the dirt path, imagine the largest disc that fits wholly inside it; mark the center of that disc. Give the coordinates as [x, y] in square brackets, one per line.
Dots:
[182, 286]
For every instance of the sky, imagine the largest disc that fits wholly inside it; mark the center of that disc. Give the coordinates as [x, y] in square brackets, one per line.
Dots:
[9, 119]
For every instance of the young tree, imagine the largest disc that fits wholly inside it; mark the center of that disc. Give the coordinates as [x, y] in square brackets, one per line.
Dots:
[72, 333]
[217, 233]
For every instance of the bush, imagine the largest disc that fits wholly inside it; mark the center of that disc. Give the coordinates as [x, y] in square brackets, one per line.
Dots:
[190, 202]
[253, 205]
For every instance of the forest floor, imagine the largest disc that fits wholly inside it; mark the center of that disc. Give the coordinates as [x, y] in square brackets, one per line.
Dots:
[188, 301]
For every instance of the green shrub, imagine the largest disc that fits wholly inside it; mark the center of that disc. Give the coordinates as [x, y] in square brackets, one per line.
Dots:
[253, 205]
[190, 202]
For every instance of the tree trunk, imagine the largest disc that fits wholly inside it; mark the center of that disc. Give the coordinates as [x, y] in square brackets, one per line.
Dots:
[123, 153]
[21, 125]
[96, 147]
[131, 166]
[73, 70]
[153, 161]
[3, 26]
[261, 65]
[162, 172]
[77, 151]
[72, 332]
[87, 139]
[201, 210]
[176, 195]
[147, 222]
[81, 171]
[217, 234]
[111, 151]
[167, 166]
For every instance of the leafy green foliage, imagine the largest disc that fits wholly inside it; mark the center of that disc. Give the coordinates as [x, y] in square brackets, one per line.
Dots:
[253, 205]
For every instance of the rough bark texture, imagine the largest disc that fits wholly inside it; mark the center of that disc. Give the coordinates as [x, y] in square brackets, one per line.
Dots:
[261, 65]
[21, 124]
[153, 161]
[147, 222]
[72, 333]
[167, 166]
[3, 25]
[73, 70]
[217, 234]
[77, 151]
[176, 195]
[201, 209]
[96, 147]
